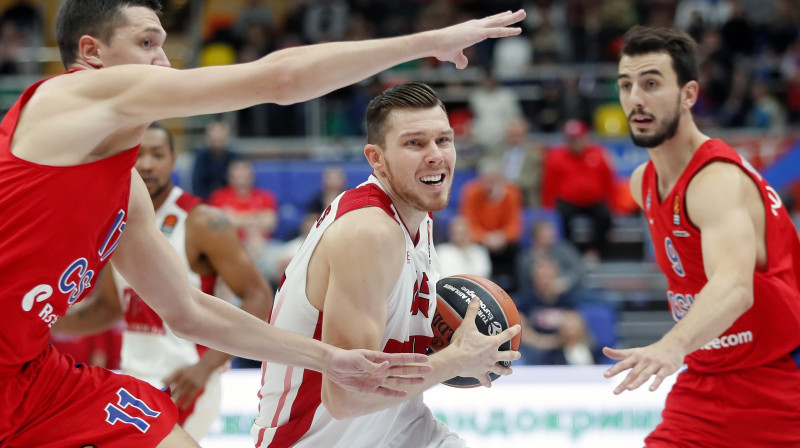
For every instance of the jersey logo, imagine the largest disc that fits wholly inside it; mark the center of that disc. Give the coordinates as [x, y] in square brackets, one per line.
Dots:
[112, 239]
[674, 258]
[38, 294]
[679, 304]
[76, 279]
[169, 224]
[676, 210]
[422, 297]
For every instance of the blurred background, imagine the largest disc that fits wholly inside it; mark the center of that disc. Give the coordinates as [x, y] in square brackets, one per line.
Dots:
[540, 201]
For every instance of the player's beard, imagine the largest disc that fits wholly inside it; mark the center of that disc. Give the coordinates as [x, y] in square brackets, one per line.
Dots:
[412, 197]
[662, 134]
[161, 189]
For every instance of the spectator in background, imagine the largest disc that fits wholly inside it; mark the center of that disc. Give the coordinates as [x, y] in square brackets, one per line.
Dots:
[553, 332]
[546, 244]
[492, 107]
[253, 211]
[767, 113]
[521, 158]
[462, 255]
[334, 182]
[493, 208]
[213, 159]
[579, 182]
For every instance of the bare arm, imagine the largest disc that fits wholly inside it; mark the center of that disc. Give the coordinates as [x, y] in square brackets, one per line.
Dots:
[720, 200]
[97, 313]
[636, 183]
[147, 261]
[358, 289]
[211, 235]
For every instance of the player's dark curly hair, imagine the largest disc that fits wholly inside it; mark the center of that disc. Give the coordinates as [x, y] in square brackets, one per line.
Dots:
[97, 18]
[676, 43]
[409, 95]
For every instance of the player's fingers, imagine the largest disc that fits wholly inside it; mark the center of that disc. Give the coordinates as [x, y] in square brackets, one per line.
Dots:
[507, 356]
[503, 32]
[617, 354]
[660, 375]
[411, 369]
[501, 370]
[642, 377]
[396, 381]
[461, 61]
[508, 334]
[504, 18]
[388, 392]
[472, 312]
[396, 359]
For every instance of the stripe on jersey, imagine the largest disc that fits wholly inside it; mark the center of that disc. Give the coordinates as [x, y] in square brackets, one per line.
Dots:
[304, 406]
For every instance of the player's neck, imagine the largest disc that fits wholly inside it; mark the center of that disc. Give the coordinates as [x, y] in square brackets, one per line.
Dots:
[672, 157]
[161, 196]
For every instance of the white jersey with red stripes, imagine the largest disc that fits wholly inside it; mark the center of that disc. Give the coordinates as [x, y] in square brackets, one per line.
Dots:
[150, 350]
[290, 410]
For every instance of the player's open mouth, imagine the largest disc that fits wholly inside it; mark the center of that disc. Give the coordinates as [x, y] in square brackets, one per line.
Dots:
[432, 180]
[641, 120]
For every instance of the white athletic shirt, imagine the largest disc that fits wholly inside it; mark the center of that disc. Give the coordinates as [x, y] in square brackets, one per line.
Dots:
[150, 350]
[290, 411]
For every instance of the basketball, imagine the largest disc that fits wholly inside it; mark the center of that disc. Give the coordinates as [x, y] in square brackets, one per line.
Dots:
[497, 313]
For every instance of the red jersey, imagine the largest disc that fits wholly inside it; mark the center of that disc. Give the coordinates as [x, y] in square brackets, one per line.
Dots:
[770, 329]
[59, 228]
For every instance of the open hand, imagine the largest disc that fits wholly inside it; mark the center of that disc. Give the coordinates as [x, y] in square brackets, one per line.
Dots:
[481, 352]
[451, 41]
[368, 371]
[660, 359]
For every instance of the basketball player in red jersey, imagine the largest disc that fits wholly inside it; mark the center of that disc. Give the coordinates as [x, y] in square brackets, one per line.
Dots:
[70, 198]
[732, 259]
[211, 250]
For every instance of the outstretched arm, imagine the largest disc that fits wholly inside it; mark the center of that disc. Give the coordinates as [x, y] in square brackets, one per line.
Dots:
[719, 200]
[147, 261]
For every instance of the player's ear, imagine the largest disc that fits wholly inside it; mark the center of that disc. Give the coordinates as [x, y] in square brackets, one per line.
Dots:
[689, 94]
[89, 51]
[374, 155]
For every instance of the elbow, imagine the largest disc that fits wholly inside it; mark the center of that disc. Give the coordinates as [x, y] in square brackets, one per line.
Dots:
[283, 86]
[744, 298]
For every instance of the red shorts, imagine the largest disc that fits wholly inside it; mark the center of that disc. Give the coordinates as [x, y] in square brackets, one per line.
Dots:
[51, 402]
[750, 408]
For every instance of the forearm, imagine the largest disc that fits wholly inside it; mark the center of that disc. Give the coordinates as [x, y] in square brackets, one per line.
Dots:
[219, 325]
[85, 320]
[346, 404]
[718, 305]
[343, 64]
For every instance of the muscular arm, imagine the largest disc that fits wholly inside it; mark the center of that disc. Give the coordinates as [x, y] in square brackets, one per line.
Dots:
[97, 313]
[114, 99]
[725, 205]
[364, 252]
[719, 200]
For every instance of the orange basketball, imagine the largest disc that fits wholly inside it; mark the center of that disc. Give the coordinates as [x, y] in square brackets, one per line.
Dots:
[497, 313]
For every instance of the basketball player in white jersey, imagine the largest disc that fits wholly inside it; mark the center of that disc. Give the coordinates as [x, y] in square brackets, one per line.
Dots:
[365, 277]
[210, 247]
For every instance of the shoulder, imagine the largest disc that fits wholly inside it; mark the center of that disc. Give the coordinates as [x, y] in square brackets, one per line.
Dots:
[635, 182]
[716, 175]
[207, 219]
[367, 234]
